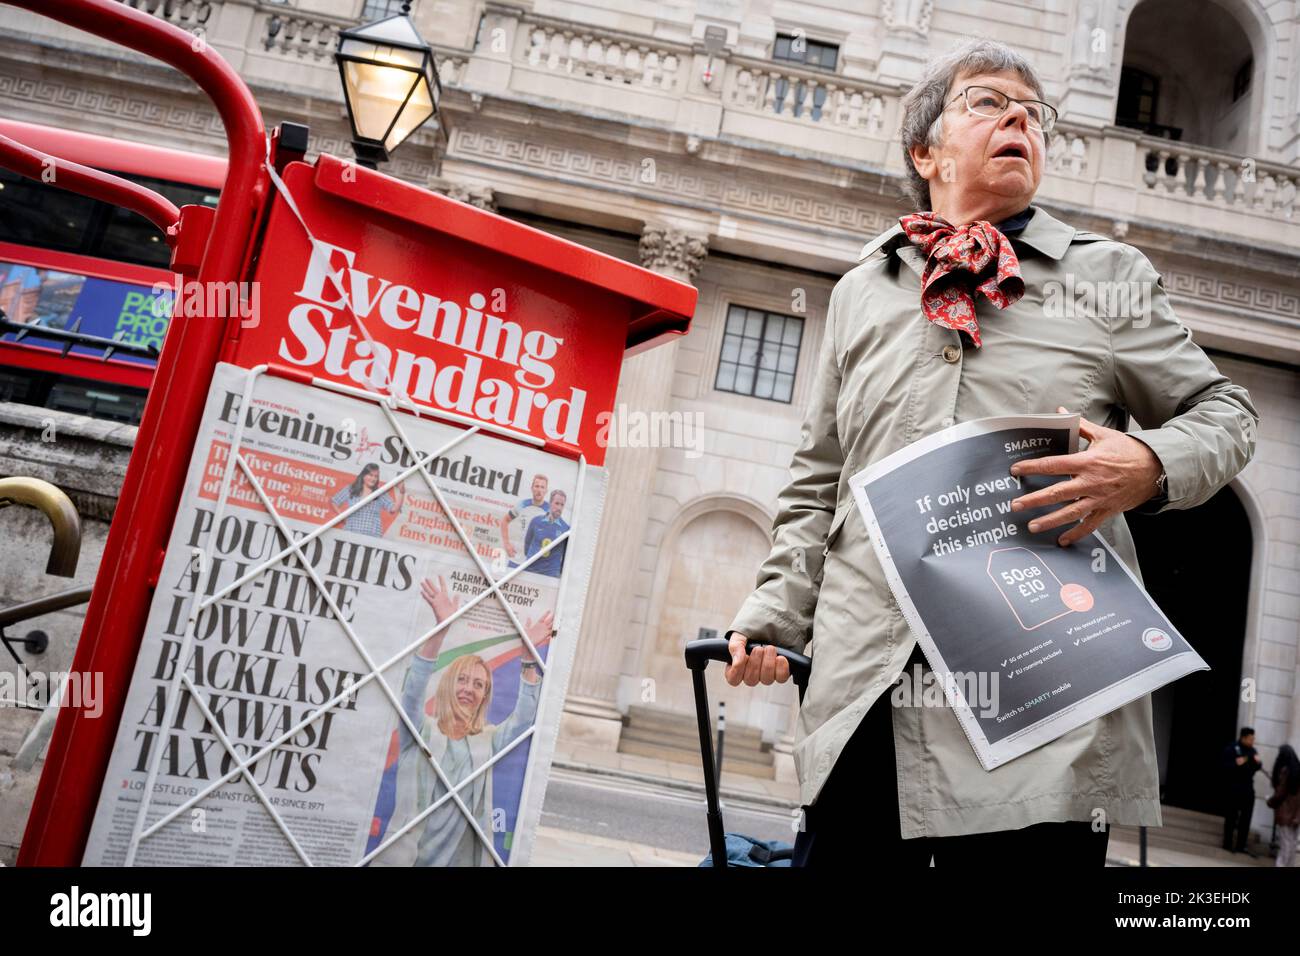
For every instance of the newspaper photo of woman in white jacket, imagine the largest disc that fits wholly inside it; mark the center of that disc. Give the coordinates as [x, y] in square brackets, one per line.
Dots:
[460, 740]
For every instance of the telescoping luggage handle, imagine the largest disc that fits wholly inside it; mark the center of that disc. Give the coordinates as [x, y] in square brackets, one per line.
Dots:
[698, 655]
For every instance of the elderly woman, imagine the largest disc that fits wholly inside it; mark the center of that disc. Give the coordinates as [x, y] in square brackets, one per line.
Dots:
[955, 314]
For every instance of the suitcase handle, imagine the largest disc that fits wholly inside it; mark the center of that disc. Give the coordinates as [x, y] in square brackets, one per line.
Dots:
[699, 653]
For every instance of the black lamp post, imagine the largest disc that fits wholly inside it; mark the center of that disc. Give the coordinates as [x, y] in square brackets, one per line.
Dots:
[390, 84]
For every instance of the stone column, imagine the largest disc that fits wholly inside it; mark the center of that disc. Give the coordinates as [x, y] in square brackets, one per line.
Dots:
[906, 42]
[608, 647]
[491, 64]
[1089, 92]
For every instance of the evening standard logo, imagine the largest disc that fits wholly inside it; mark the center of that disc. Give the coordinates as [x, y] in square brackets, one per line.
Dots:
[77, 909]
[342, 443]
[322, 335]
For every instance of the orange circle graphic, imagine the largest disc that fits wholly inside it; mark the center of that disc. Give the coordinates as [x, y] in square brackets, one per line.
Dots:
[1076, 597]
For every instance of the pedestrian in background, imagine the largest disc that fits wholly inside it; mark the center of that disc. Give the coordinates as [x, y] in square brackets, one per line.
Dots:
[1285, 803]
[1240, 763]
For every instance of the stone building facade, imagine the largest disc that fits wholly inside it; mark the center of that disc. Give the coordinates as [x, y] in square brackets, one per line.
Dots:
[751, 147]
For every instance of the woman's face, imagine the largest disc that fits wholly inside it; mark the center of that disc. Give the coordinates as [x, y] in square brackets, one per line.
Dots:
[974, 159]
[371, 479]
[471, 686]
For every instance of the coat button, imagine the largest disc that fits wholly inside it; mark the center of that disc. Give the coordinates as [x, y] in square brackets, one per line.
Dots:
[951, 353]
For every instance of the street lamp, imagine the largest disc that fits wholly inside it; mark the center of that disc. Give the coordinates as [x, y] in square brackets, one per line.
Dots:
[390, 84]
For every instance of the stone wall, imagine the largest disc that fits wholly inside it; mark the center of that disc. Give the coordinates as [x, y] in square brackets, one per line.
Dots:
[87, 458]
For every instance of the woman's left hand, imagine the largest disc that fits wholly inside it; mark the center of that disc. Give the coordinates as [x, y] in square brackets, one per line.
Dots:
[1114, 473]
[540, 630]
[439, 598]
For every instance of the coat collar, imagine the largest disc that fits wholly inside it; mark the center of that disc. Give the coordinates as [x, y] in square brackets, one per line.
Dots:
[1045, 233]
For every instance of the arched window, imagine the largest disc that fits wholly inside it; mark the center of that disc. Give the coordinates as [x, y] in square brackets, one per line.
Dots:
[1139, 95]
[1189, 75]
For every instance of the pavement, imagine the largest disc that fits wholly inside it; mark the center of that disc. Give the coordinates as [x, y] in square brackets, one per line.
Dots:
[564, 840]
[673, 775]
[607, 809]
[555, 847]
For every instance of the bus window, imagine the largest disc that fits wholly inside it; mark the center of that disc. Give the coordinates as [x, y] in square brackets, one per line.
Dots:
[128, 237]
[36, 214]
[65, 393]
[83, 268]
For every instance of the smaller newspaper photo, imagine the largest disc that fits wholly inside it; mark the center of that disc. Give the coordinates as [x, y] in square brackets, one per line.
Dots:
[353, 693]
[1054, 637]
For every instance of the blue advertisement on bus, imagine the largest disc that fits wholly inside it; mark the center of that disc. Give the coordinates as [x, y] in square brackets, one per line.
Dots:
[108, 308]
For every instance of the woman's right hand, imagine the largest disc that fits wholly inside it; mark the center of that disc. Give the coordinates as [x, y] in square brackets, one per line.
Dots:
[761, 666]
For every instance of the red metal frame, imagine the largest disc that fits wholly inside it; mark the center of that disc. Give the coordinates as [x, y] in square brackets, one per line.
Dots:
[79, 751]
[120, 155]
[88, 181]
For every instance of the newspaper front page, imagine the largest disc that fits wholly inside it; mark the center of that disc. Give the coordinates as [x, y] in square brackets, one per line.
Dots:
[1028, 639]
[381, 734]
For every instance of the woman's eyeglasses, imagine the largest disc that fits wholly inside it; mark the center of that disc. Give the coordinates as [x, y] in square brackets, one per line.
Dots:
[988, 102]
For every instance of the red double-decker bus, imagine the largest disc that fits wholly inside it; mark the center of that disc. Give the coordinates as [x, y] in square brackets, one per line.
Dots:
[85, 287]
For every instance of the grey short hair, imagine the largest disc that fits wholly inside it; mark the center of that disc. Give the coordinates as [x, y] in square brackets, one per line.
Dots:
[922, 107]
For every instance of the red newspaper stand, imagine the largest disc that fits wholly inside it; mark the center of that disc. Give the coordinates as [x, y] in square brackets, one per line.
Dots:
[366, 287]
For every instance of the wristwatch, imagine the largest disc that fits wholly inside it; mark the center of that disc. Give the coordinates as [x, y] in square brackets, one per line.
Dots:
[1160, 482]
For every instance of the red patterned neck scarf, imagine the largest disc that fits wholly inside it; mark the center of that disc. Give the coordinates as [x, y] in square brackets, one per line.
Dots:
[957, 265]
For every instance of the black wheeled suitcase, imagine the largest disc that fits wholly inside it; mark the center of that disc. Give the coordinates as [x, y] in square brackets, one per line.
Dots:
[734, 849]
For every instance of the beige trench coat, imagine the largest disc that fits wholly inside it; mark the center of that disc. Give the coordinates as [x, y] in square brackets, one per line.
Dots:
[886, 377]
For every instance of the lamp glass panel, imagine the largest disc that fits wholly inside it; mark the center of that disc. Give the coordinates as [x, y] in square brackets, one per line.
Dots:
[418, 109]
[382, 52]
[398, 29]
[376, 93]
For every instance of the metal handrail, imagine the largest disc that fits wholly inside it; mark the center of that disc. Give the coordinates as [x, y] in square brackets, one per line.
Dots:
[62, 515]
[46, 604]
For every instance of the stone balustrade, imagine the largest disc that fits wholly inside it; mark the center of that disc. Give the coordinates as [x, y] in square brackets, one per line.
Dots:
[1208, 177]
[1114, 172]
[304, 36]
[811, 96]
[187, 14]
[602, 59]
